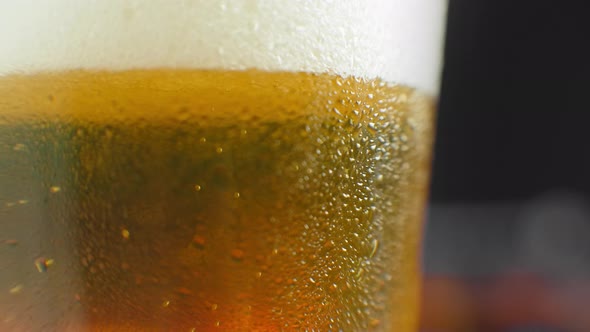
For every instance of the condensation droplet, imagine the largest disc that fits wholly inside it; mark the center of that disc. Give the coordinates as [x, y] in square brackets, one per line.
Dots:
[375, 246]
[359, 273]
[19, 147]
[43, 264]
[237, 254]
[11, 242]
[22, 201]
[219, 149]
[199, 240]
[165, 304]
[197, 187]
[184, 291]
[125, 233]
[236, 195]
[329, 244]
[54, 189]
[342, 150]
[16, 289]
[374, 323]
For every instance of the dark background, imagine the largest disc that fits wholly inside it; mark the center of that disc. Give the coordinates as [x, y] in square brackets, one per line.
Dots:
[507, 246]
[514, 109]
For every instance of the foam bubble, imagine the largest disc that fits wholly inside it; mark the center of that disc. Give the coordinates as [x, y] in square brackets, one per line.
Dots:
[397, 40]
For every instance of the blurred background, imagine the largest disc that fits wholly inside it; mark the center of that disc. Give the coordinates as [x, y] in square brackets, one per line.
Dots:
[507, 246]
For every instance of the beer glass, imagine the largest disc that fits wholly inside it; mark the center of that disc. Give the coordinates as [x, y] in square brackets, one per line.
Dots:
[214, 165]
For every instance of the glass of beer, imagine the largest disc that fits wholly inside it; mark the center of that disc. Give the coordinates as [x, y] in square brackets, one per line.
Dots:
[214, 165]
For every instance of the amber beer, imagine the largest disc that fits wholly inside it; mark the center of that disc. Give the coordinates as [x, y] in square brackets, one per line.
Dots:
[211, 167]
[251, 200]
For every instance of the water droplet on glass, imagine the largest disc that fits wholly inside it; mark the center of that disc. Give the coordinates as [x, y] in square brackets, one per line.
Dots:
[54, 189]
[16, 289]
[11, 242]
[237, 254]
[19, 147]
[184, 291]
[43, 264]
[199, 240]
[375, 246]
[125, 233]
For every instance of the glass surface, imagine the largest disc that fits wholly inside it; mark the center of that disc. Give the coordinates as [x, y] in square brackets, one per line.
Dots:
[214, 165]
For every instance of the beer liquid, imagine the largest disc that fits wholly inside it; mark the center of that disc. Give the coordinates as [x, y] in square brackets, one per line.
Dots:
[187, 200]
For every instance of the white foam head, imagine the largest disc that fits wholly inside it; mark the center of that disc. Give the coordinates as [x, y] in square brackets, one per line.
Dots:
[397, 40]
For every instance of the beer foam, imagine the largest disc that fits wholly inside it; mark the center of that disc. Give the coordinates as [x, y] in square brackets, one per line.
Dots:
[396, 40]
